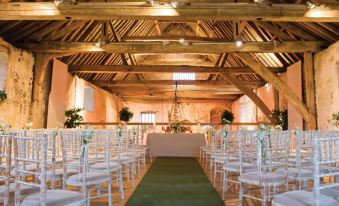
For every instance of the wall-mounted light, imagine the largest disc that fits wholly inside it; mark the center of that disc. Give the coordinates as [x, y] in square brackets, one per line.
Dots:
[267, 85]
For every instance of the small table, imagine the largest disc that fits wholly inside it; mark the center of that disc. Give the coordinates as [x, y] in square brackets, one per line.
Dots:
[175, 144]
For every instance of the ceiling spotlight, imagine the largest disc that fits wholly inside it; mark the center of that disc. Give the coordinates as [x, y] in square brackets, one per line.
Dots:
[100, 43]
[310, 5]
[182, 40]
[151, 2]
[174, 4]
[58, 2]
[276, 42]
[238, 43]
[267, 85]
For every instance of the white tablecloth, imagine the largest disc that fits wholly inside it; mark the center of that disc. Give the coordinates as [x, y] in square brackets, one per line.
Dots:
[175, 145]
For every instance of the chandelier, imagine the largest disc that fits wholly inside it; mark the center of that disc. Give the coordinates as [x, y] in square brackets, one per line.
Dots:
[177, 113]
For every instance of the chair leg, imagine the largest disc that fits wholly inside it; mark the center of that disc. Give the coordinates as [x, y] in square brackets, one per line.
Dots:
[214, 173]
[121, 186]
[241, 193]
[133, 168]
[109, 193]
[224, 185]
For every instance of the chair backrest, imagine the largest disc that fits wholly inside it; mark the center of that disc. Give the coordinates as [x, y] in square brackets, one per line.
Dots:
[273, 151]
[5, 163]
[30, 157]
[325, 155]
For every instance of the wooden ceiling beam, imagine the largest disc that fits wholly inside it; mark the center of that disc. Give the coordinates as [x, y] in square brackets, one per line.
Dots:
[164, 69]
[278, 84]
[173, 38]
[169, 100]
[249, 92]
[137, 10]
[160, 47]
[171, 82]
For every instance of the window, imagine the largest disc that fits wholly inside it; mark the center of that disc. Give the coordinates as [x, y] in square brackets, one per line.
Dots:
[89, 93]
[183, 76]
[147, 117]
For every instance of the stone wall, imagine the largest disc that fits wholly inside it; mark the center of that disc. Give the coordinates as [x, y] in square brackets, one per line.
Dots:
[326, 69]
[16, 110]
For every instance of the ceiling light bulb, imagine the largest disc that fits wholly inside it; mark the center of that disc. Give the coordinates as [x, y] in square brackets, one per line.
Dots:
[58, 2]
[238, 43]
[182, 40]
[174, 4]
[267, 85]
[310, 5]
[98, 44]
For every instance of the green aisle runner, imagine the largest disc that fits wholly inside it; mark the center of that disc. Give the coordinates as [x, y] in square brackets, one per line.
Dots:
[175, 182]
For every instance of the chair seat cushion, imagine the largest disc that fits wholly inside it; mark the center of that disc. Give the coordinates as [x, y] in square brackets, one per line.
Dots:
[103, 166]
[55, 198]
[331, 192]
[123, 159]
[262, 179]
[60, 173]
[24, 189]
[294, 172]
[235, 167]
[301, 198]
[91, 178]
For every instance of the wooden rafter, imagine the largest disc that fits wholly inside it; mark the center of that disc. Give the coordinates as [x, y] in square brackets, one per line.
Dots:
[159, 47]
[213, 83]
[164, 69]
[277, 83]
[249, 92]
[113, 10]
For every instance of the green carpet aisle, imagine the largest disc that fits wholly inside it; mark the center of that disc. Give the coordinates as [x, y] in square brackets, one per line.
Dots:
[175, 182]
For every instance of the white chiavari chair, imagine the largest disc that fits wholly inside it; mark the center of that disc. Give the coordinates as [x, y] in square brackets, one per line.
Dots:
[122, 157]
[36, 154]
[300, 160]
[272, 153]
[325, 155]
[241, 150]
[107, 140]
[5, 166]
[79, 153]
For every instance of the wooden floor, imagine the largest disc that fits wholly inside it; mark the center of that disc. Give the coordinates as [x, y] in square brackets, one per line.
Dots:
[231, 198]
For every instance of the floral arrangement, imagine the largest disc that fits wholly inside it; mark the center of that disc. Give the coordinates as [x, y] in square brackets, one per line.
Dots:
[262, 133]
[280, 118]
[86, 137]
[176, 126]
[227, 117]
[335, 119]
[3, 96]
[28, 125]
[73, 118]
[119, 129]
[4, 128]
[125, 114]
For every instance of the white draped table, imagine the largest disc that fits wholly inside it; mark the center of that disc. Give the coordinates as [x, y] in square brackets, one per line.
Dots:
[175, 144]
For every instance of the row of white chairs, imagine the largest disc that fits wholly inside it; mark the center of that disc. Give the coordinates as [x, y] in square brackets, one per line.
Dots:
[67, 166]
[263, 168]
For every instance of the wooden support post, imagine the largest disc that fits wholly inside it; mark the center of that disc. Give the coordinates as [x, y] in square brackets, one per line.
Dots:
[249, 92]
[276, 99]
[41, 83]
[277, 83]
[308, 72]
